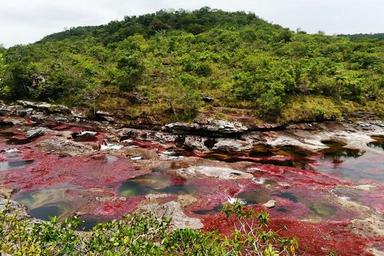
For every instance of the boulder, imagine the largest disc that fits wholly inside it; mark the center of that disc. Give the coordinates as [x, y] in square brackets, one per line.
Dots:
[104, 116]
[35, 133]
[173, 210]
[208, 99]
[209, 127]
[63, 146]
[231, 145]
[212, 171]
[6, 192]
[13, 207]
[45, 107]
[84, 136]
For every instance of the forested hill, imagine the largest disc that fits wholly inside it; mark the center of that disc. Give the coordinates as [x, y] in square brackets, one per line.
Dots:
[377, 36]
[148, 25]
[177, 65]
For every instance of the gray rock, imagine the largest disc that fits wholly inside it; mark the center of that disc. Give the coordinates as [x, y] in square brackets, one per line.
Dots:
[32, 134]
[173, 210]
[194, 142]
[13, 207]
[231, 145]
[212, 171]
[104, 116]
[63, 146]
[6, 192]
[46, 107]
[24, 112]
[84, 135]
[270, 204]
[208, 99]
[209, 128]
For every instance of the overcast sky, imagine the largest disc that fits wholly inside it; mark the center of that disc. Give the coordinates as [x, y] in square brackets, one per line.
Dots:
[26, 21]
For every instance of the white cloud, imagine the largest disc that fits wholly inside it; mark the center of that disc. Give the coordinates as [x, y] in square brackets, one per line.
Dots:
[25, 21]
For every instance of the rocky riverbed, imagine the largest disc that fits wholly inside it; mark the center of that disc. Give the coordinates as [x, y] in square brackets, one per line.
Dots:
[321, 182]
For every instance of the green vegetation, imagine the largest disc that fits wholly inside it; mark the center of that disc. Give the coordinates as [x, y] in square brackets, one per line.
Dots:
[160, 66]
[142, 235]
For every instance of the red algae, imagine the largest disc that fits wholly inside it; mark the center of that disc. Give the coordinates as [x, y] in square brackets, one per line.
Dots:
[86, 172]
[315, 239]
[117, 208]
[297, 177]
[322, 238]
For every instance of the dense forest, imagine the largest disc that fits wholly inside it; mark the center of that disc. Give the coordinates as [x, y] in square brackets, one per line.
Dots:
[175, 65]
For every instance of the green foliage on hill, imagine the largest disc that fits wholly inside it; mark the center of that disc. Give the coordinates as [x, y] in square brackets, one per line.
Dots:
[377, 36]
[162, 65]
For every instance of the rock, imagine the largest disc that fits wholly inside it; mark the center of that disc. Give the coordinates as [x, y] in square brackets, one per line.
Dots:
[270, 204]
[173, 210]
[233, 200]
[186, 199]
[24, 112]
[110, 147]
[376, 252]
[45, 107]
[370, 227]
[365, 187]
[211, 171]
[104, 116]
[4, 123]
[6, 192]
[32, 134]
[170, 155]
[84, 136]
[194, 143]
[13, 207]
[231, 145]
[310, 143]
[63, 146]
[136, 154]
[210, 127]
[208, 99]
[79, 114]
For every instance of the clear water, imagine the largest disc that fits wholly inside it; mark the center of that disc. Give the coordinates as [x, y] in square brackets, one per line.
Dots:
[153, 183]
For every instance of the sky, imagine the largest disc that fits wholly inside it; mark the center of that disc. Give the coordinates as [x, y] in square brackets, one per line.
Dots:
[26, 21]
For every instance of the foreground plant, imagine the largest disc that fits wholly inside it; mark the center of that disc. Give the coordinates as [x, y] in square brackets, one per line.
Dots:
[140, 234]
[252, 234]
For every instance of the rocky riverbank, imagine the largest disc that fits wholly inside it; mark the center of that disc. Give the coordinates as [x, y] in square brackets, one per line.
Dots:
[326, 179]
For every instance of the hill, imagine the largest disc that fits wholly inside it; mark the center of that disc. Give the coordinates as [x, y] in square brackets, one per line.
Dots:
[178, 65]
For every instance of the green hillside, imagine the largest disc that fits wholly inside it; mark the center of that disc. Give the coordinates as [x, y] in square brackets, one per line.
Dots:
[175, 65]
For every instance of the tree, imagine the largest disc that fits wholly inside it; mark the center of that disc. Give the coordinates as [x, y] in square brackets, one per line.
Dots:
[129, 73]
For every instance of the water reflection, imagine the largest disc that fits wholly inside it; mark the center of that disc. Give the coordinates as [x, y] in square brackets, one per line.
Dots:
[156, 182]
[378, 142]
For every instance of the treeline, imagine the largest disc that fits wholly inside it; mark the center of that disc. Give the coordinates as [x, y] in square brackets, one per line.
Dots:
[378, 36]
[163, 64]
